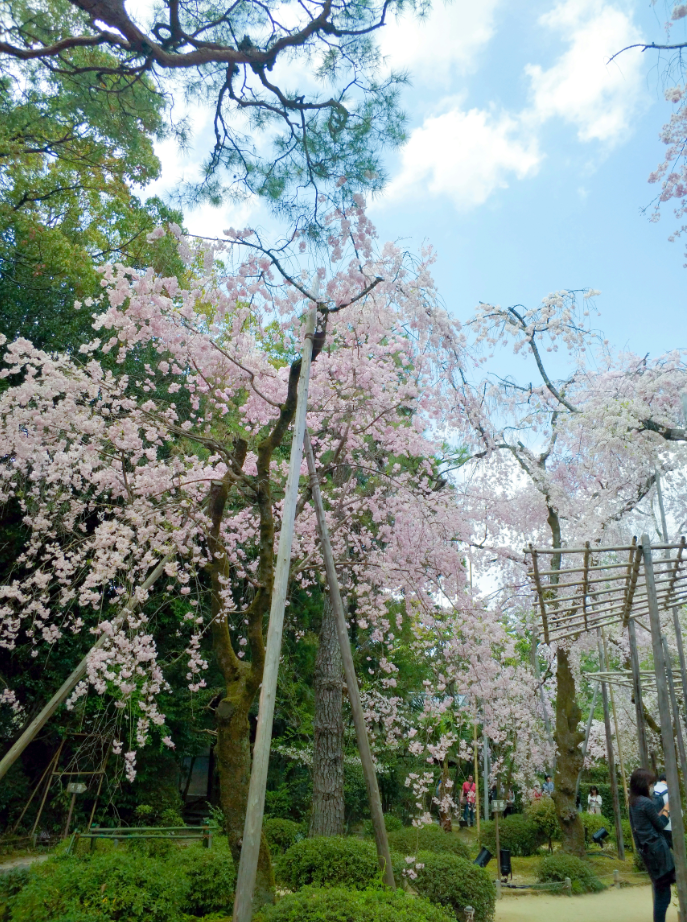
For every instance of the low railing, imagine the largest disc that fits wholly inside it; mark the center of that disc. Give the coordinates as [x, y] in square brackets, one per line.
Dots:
[124, 833]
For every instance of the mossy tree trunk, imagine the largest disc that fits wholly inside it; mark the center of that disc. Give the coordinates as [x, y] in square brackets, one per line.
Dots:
[327, 818]
[243, 677]
[569, 739]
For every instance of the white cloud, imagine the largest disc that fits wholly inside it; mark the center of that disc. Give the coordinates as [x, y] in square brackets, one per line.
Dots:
[582, 87]
[465, 156]
[449, 38]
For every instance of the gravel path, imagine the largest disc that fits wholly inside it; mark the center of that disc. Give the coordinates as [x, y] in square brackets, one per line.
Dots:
[631, 904]
[14, 863]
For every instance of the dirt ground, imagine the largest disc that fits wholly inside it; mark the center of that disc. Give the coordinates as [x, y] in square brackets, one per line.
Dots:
[631, 904]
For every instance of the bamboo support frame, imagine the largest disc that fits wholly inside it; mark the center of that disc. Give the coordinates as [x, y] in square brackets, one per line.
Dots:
[375, 801]
[609, 751]
[637, 695]
[252, 830]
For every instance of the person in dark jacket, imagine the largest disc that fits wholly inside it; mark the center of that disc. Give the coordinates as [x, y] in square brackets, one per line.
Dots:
[647, 828]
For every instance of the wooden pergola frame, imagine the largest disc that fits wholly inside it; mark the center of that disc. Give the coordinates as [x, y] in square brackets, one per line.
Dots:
[597, 586]
[584, 589]
[624, 678]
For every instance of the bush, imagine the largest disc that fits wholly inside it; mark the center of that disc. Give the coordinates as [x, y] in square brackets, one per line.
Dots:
[542, 812]
[392, 823]
[281, 834]
[313, 904]
[455, 883]
[113, 886]
[592, 822]
[518, 832]
[627, 835]
[412, 839]
[211, 877]
[555, 868]
[329, 861]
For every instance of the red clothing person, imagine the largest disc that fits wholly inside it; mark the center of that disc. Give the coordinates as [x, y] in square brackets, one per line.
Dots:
[469, 796]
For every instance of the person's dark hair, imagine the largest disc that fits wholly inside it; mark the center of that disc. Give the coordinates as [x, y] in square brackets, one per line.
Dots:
[641, 780]
[662, 776]
[548, 778]
[594, 790]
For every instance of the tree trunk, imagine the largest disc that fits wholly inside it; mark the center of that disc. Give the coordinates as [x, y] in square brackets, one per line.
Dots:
[568, 741]
[445, 815]
[327, 817]
[233, 763]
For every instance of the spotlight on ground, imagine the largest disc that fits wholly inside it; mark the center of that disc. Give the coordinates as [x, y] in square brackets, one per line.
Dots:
[600, 835]
[483, 859]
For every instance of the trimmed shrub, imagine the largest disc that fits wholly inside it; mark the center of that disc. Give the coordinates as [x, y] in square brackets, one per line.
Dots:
[392, 823]
[455, 883]
[627, 835]
[329, 861]
[555, 868]
[518, 832]
[113, 886]
[412, 839]
[542, 812]
[313, 904]
[211, 878]
[281, 834]
[592, 822]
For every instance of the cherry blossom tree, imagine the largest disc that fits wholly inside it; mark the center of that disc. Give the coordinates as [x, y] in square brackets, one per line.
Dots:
[567, 460]
[181, 466]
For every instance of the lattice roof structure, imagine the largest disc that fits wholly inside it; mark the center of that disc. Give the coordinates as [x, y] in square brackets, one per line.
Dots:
[623, 677]
[596, 586]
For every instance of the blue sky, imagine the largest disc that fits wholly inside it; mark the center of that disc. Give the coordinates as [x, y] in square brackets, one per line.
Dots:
[527, 161]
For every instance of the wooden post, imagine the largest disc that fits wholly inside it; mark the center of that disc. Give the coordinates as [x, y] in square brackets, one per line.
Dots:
[485, 769]
[676, 614]
[617, 734]
[69, 684]
[611, 760]
[476, 764]
[672, 777]
[255, 808]
[676, 713]
[586, 740]
[637, 695]
[498, 845]
[375, 801]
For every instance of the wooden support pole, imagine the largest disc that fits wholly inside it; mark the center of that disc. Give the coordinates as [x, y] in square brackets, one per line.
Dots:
[255, 808]
[617, 734]
[586, 740]
[476, 764]
[676, 614]
[676, 713]
[672, 776]
[485, 770]
[375, 801]
[637, 695]
[69, 684]
[611, 759]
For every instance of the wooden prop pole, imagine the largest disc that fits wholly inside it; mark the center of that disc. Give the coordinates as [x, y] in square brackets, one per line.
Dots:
[611, 759]
[476, 763]
[617, 734]
[255, 809]
[485, 770]
[375, 801]
[68, 686]
[672, 776]
[676, 713]
[676, 614]
[586, 739]
[637, 695]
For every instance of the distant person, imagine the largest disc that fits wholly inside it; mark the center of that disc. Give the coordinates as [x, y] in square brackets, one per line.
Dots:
[661, 800]
[468, 802]
[647, 825]
[547, 787]
[536, 791]
[510, 802]
[594, 801]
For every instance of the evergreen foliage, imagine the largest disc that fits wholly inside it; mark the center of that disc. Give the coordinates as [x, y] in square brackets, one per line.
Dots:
[313, 904]
[411, 839]
[555, 869]
[518, 832]
[455, 883]
[329, 861]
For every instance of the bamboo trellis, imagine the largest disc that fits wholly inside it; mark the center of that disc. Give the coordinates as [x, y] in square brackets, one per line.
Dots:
[624, 678]
[594, 587]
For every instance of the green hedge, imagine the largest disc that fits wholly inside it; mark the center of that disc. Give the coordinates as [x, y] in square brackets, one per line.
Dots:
[518, 832]
[555, 868]
[392, 823]
[281, 834]
[313, 904]
[455, 883]
[121, 886]
[412, 839]
[329, 861]
[543, 814]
